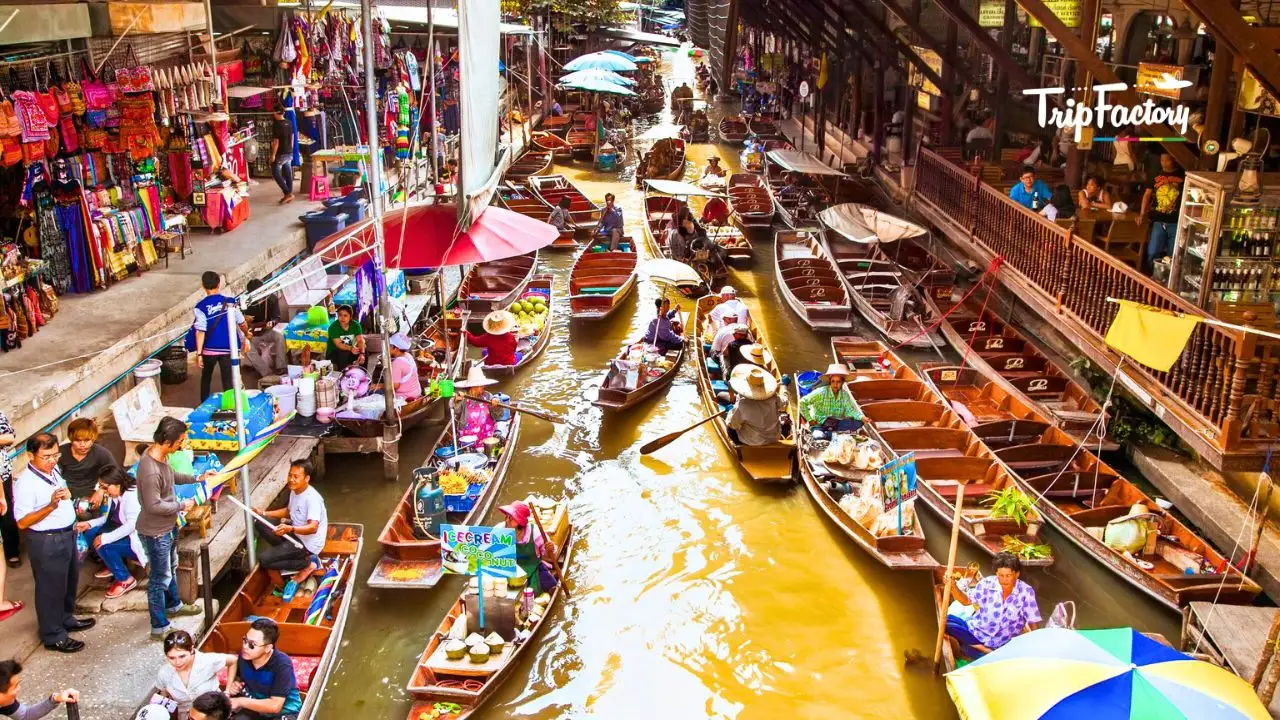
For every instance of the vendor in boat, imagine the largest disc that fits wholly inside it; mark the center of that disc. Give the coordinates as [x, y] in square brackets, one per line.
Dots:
[791, 188]
[533, 549]
[664, 330]
[404, 371]
[499, 339]
[830, 404]
[346, 340]
[713, 168]
[756, 418]
[560, 217]
[476, 410]
[1000, 607]
[684, 92]
[610, 225]
[730, 306]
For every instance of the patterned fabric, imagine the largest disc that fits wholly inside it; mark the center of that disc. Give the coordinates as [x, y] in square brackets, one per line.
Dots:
[6, 463]
[822, 404]
[999, 619]
[53, 249]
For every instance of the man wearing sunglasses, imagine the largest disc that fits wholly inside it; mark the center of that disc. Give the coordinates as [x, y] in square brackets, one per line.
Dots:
[267, 686]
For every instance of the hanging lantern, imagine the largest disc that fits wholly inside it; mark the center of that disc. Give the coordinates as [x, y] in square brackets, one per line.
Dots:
[1249, 170]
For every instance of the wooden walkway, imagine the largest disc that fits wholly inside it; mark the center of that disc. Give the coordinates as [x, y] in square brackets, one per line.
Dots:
[1234, 634]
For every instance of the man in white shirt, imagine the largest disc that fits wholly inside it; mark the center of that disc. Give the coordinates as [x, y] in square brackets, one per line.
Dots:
[725, 335]
[306, 519]
[44, 511]
[730, 305]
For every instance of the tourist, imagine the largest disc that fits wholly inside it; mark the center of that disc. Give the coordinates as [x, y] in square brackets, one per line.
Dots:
[476, 409]
[754, 419]
[735, 350]
[83, 461]
[610, 225]
[730, 306]
[8, 526]
[680, 237]
[830, 404]
[267, 686]
[1005, 607]
[282, 155]
[157, 524]
[346, 340]
[1030, 192]
[725, 335]
[532, 546]
[1060, 205]
[664, 330]
[11, 685]
[978, 140]
[306, 519]
[498, 341]
[213, 332]
[42, 505]
[267, 354]
[404, 371]
[212, 705]
[560, 217]
[188, 673]
[1162, 202]
[113, 535]
[1094, 195]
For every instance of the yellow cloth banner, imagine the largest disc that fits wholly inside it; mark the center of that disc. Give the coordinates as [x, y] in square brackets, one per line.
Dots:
[822, 72]
[1149, 335]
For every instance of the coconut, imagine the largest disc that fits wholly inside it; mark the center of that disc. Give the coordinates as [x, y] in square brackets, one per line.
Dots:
[458, 630]
[495, 643]
[474, 638]
[455, 649]
[478, 653]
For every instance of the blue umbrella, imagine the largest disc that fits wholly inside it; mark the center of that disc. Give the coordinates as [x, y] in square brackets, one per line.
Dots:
[639, 60]
[600, 61]
[605, 75]
[595, 85]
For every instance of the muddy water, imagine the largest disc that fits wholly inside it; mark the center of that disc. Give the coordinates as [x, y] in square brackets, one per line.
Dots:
[695, 593]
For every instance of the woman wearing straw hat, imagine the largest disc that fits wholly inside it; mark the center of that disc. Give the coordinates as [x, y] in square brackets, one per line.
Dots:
[830, 404]
[740, 353]
[476, 408]
[498, 342]
[755, 419]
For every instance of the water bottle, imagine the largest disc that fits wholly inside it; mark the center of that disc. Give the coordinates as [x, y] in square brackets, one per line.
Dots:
[526, 601]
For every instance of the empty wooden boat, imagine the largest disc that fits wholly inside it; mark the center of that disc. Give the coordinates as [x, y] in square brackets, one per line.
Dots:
[617, 392]
[764, 128]
[600, 281]
[534, 162]
[533, 330]
[750, 202]
[809, 282]
[889, 303]
[763, 463]
[553, 187]
[554, 144]
[582, 139]
[908, 415]
[519, 198]
[733, 129]
[311, 637]
[664, 161]
[437, 679]
[491, 285]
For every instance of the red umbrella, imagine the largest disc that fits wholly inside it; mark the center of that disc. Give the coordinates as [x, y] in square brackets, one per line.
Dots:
[428, 229]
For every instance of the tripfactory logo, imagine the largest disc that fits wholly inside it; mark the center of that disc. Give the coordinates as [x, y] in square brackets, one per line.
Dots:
[1104, 115]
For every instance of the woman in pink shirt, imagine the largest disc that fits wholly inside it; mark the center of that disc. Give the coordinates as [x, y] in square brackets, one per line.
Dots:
[404, 371]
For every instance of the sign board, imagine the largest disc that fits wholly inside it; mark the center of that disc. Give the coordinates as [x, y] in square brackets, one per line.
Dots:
[804, 89]
[1163, 80]
[991, 13]
[477, 549]
[927, 90]
[1254, 97]
[898, 478]
[155, 17]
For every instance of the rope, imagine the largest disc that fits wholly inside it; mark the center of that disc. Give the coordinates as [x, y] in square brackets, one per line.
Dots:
[995, 264]
[170, 334]
[981, 314]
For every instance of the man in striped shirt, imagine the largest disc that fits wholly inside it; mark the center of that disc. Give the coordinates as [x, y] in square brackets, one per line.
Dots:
[830, 403]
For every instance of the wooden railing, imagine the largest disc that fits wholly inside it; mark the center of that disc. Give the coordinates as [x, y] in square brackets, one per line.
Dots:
[1211, 377]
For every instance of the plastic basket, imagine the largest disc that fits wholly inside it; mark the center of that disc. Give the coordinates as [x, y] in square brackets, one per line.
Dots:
[463, 503]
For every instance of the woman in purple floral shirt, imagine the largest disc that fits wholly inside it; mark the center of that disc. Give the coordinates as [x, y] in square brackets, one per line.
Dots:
[1005, 608]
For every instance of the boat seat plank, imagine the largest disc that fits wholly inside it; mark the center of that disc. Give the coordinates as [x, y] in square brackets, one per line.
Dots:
[949, 491]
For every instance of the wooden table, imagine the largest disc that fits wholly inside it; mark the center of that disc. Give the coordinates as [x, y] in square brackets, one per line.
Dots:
[1089, 222]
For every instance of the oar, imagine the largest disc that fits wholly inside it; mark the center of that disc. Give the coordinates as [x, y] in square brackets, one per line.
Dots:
[948, 581]
[232, 497]
[667, 439]
[535, 413]
[555, 564]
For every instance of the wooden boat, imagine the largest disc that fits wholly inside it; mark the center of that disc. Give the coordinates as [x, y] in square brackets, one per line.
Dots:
[653, 101]
[809, 282]
[733, 129]
[908, 415]
[551, 188]
[600, 281]
[653, 166]
[750, 202]
[439, 680]
[554, 123]
[554, 144]
[519, 198]
[738, 252]
[621, 398]
[533, 162]
[411, 560]
[777, 144]
[763, 463]
[531, 339]
[491, 285]
[875, 286]
[764, 128]
[582, 134]
[659, 211]
[313, 647]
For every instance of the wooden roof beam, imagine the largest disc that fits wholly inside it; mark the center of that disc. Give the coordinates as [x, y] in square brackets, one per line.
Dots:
[1017, 76]
[866, 51]
[906, 50]
[1255, 46]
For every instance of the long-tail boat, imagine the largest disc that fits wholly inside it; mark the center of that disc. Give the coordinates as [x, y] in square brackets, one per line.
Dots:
[532, 335]
[733, 129]
[600, 281]
[491, 285]
[770, 463]
[614, 393]
[311, 624]
[551, 188]
[750, 201]
[519, 198]
[439, 682]
[534, 162]
[764, 128]
[664, 161]
[809, 281]
[554, 144]
[411, 555]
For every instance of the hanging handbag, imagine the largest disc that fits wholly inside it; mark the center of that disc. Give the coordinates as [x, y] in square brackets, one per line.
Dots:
[96, 94]
[10, 151]
[93, 138]
[49, 106]
[70, 138]
[9, 126]
[48, 298]
[137, 78]
[75, 93]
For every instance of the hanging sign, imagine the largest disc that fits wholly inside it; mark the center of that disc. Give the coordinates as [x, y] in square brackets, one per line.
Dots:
[478, 550]
[991, 13]
[1254, 97]
[804, 89]
[1164, 80]
[927, 90]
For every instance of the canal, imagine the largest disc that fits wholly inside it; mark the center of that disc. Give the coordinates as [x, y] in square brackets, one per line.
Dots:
[696, 594]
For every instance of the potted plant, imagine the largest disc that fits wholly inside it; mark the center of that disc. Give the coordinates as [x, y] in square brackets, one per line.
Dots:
[1015, 508]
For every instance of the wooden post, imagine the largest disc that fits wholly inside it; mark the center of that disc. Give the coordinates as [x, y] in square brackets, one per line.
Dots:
[1002, 80]
[1251, 559]
[1219, 83]
[1268, 652]
[949, 78]
[946, 593]
[877, 108]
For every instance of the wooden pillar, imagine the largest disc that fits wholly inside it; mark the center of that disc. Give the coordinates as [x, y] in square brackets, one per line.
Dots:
[1091, 21]
[730, 52]
[1219, 98]
[1034, 51]
[1002, 80]
[877, 108]
[949, 78]
[854, 125]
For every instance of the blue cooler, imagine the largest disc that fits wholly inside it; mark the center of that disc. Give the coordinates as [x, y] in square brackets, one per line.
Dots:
[321, 224]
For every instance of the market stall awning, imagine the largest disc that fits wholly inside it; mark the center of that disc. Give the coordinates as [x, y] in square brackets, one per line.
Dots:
[246, 91]
[444, 18]
[673, 187]
[865, 224]
[801, 162]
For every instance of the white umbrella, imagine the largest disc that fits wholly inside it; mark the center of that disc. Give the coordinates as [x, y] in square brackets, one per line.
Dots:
[669, 272]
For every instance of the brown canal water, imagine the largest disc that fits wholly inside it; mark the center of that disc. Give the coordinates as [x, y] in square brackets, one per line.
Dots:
[696, 594]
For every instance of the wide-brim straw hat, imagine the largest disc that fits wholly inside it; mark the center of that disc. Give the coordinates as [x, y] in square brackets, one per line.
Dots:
[499, 322]
[753, 382]
[475, 378]
[756, 353]
[836, 369]
[1137, 511]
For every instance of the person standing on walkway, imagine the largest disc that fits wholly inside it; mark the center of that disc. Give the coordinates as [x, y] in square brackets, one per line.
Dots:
[42, 504]
[83, 460]
[1162, 202]
[282, 155]
[157, 524]
[216, 317]
[8, 526]
[11, 685]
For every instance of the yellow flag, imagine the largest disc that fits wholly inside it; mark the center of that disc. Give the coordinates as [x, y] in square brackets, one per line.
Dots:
[822, 72]
[1149, 335]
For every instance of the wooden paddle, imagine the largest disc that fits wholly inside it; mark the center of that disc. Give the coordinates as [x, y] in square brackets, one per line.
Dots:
[667, 439]
[535, 413]
[555, 563]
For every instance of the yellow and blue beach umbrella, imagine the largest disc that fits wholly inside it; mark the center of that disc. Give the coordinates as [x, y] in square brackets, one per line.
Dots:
[1118, 674]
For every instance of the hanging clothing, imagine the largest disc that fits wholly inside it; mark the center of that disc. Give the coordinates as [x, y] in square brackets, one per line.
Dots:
[71, 223]
[53, 247]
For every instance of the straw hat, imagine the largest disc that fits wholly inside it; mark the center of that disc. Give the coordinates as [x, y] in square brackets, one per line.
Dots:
[756, 353]
[499, 322]
[836, 369]
[753, 382]
[475, 378]
[1137, 511]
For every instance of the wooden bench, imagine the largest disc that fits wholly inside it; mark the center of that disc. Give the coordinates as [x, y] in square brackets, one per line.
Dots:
[137, 414]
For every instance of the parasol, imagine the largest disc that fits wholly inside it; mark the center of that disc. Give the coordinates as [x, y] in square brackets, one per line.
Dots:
[606, 75]
[597, 85]
[600, 61]
[669, 272]
[637, 59]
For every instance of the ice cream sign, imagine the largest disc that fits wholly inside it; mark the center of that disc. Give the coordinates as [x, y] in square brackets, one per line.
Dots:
[1106, 116]
[478, 550]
